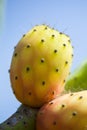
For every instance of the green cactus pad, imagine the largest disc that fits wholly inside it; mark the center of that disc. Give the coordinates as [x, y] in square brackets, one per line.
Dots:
[77, 81]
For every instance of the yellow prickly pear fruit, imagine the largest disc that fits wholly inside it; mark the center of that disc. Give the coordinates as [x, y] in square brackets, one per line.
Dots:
[40, 65]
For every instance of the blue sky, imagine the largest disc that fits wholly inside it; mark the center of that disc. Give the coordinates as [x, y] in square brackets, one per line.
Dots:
[68, 16]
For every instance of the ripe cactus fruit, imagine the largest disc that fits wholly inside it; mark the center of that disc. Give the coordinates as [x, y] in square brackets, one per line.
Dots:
[68, 112]
[23, 119]
[77, 81]
[40, 65]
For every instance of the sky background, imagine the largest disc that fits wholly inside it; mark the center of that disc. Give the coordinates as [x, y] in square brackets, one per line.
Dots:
[19, 16]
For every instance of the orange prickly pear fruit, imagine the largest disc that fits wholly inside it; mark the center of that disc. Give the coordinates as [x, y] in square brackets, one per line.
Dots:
[66, 112]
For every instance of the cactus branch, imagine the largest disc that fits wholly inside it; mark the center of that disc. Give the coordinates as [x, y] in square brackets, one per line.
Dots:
[23, 119]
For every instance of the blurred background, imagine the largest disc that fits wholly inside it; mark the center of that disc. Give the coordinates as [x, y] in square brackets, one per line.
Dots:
[18, 16]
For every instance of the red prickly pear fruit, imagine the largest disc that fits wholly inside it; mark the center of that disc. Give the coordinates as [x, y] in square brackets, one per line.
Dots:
[67, 112]
[40, 65]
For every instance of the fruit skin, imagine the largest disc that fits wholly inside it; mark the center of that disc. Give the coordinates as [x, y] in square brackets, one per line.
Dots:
[77, 81]
[23, 119]
[40, 65]
[68, 112]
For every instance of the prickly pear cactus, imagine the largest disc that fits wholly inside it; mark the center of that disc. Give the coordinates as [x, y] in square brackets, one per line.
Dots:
[77, 81]
[23, 119]
[40, 65]
[67, 112]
